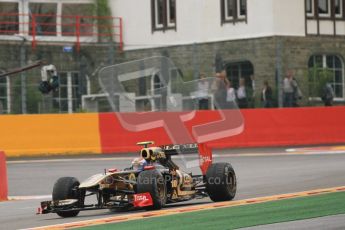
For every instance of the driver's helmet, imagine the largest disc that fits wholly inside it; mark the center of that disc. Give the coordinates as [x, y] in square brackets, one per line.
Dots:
[139, 164]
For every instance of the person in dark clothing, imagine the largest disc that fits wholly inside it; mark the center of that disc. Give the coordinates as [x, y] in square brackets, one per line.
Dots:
[267, 96]
[327, 95]
[297, 93]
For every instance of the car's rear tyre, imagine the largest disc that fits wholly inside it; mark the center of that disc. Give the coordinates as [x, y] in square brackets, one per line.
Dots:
[152, 181]
[221, 182]
[64, 188]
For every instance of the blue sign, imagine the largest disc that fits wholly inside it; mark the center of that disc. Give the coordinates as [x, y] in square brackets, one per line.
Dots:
[67, 49]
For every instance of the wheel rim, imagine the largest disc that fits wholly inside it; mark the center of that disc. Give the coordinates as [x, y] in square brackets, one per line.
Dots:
[161, 191]
[231, 182]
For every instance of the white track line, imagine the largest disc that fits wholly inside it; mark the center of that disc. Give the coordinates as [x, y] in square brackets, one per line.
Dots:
[82, 159]
[18, 198]
[67, 160]
[282, 154]
[289, 152]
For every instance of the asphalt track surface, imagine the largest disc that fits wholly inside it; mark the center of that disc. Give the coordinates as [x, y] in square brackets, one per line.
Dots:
[258, 174]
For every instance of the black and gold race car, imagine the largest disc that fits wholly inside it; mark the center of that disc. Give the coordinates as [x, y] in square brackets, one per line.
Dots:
[152, 181]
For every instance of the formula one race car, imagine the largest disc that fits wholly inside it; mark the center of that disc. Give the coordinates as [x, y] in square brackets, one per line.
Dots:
[152, 181]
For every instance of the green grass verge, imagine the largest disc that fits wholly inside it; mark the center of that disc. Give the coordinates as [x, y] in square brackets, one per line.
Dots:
[241, 216]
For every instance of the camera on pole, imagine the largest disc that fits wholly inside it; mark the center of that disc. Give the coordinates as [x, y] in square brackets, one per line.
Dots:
[49, 79]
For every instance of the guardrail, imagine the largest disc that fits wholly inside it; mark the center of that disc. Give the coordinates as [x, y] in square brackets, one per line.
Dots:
[69, 28]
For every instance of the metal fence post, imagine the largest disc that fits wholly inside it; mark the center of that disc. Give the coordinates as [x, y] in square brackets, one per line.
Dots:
[23, 76]
[279, 80]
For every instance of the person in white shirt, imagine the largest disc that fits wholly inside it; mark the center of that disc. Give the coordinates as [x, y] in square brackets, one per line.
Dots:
[203, 87]
[288, 90]
[242, 94]
[231, 96]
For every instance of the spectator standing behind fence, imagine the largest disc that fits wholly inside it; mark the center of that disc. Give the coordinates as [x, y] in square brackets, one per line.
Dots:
[242, 94]
[203, 86]
[327, 95]
[219, 88]
[231, 96]
[267, 96]
[297, 93]
[288, 90]
[251, 92]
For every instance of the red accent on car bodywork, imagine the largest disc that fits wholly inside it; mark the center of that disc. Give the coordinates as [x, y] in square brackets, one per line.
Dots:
[39, 211]
[112, 170]
[205, 157]
[142, 200]
[149, 167]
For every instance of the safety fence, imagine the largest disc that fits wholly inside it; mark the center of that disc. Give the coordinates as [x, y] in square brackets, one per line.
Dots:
[30, 135]
[254, 62]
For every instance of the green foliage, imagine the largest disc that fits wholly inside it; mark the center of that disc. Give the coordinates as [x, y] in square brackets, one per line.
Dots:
[188, 76]
[318, 77]
[105, 22]
[16, 104]
[34, 97]
[81, 110]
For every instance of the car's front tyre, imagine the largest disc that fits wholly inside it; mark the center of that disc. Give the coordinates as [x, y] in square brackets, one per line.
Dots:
[152, 181]
[64, 188]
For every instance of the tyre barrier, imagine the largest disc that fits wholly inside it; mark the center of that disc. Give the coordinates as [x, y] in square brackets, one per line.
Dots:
[3, 177]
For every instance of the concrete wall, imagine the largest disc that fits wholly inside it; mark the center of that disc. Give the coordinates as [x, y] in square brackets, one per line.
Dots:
[39, 135]
[49, 134]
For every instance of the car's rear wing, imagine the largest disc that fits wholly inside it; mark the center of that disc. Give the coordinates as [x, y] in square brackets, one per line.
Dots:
[204, 152]
[180, 149]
